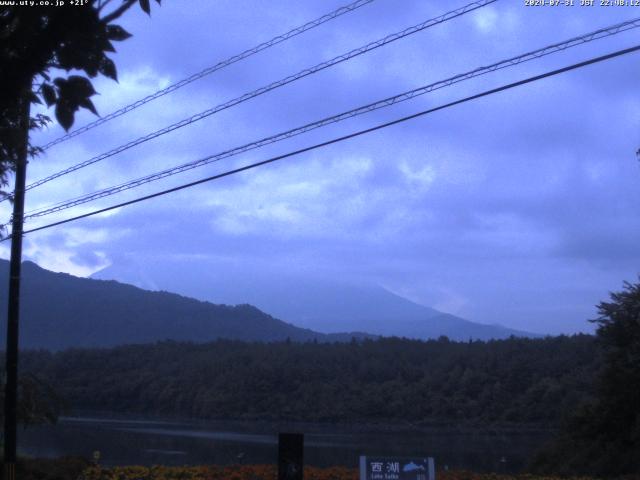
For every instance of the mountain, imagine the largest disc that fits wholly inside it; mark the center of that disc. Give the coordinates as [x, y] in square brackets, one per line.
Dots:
[60, 311]
[306, 299]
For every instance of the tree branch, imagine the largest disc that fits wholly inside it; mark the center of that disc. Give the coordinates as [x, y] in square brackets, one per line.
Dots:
[102, 4]
[118, 11]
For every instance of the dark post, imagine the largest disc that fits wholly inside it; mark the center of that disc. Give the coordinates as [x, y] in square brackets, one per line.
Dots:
[13, 315]
[290, 456]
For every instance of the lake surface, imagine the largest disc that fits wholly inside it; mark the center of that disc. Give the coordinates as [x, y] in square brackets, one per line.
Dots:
[155, 441]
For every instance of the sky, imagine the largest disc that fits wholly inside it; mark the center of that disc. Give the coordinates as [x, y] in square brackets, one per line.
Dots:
[520, 208]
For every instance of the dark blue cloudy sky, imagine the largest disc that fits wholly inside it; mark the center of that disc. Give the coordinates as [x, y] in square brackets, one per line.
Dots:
[520, 208]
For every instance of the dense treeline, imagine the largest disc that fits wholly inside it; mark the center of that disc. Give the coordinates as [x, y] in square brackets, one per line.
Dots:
[524, 381]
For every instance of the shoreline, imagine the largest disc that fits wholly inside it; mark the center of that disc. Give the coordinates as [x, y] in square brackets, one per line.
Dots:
[262, 424]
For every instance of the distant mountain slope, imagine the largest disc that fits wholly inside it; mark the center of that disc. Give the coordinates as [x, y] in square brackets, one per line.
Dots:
[60, 311]
[303, 299]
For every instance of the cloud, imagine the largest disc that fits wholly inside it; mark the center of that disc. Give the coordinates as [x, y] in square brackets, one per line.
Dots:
[518, 208]
[486, 20]
[65, 260]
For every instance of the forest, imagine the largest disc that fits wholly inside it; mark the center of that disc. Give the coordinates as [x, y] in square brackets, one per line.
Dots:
[504, 382]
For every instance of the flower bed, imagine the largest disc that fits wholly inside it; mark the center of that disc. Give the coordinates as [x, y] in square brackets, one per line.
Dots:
[268, 472]
[212, 472]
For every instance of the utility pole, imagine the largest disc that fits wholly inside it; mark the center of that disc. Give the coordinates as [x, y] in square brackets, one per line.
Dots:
[13, 315]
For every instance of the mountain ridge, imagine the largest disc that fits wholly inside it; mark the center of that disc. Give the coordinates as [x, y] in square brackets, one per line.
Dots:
[59, 311]
[306, 299]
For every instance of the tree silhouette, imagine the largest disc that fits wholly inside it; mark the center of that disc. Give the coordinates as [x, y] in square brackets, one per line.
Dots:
[619, 384]
[603, 436]
[37, 40]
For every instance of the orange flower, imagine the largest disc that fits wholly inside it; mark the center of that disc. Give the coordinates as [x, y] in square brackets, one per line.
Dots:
[269, 472]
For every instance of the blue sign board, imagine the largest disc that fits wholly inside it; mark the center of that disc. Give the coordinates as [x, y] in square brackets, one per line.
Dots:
[397, 468]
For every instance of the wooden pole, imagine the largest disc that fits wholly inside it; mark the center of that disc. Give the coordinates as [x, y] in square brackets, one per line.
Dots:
[13, 314]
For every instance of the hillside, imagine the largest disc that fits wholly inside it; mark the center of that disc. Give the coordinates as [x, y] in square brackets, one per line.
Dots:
[61, 311]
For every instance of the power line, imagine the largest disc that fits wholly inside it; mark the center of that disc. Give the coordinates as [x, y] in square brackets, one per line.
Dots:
[209, 70]
[272, 86]
[561, 46]
[345, 137]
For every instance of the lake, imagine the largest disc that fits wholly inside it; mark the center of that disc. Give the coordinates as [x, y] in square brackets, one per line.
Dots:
[126, 441]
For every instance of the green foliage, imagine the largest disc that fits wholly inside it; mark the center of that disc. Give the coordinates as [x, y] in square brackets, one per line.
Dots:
[505, 382]
[619, 384]
[38, 39]
[38, 403]
[603, 437]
